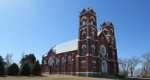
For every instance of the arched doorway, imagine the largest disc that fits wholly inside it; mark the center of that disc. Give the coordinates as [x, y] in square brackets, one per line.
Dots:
[104, 66]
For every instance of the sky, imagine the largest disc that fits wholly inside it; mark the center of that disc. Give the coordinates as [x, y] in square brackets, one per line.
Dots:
[34, 26]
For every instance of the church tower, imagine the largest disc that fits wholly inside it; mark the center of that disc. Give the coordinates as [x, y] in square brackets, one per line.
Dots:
[108, 30]
[87, 42]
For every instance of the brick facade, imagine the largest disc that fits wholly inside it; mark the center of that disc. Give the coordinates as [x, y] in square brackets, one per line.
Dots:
[96, 54]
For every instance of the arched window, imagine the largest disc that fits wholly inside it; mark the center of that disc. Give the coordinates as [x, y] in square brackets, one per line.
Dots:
[83, 33]
[45, 61]
[105, 32]
[57, 61]
[92, 20]
[102, 51]
[83, 50]
[111, 31]
[69, 59]
[50, 61]
[93, 49]
[92, 34]
[63, 60]
[83, 20]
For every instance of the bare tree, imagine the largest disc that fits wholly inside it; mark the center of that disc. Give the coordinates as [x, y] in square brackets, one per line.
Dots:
[132, 63]
[123, 67]
[8, 59]
[146, 64]
[128, 65]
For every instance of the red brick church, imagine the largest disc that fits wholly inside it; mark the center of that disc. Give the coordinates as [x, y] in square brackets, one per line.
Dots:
[93, 53]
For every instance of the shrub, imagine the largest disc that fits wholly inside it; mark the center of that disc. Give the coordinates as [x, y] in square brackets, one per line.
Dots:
[36, 69]
[30, 58]
[2, 67]
[25, 69]
[122, 75]
[13, 69]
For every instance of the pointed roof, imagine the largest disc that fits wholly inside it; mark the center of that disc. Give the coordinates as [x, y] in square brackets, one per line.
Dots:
[87, 10]
[106, 23]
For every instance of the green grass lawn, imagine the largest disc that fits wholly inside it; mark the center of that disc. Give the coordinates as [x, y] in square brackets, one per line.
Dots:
[50, 77]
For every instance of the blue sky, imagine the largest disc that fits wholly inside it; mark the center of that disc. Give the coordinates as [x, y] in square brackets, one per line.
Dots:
[34, 26]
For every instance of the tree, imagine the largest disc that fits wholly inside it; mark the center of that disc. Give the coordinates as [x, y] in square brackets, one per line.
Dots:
[30, 58]
[2, 67]
[128, 65]
[8, 59]
[25, 69]
[13, 69]
[123, 67]
[146, 64]
[36, 69]
[132, 63]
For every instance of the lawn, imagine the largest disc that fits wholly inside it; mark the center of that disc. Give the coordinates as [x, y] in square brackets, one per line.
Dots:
[50, 77]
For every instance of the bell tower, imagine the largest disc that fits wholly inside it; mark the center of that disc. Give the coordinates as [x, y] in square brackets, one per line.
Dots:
[108, 30]
[87, 41]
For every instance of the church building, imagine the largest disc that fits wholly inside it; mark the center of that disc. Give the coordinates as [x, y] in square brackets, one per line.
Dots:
[93, 53]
